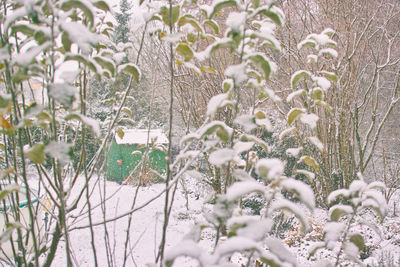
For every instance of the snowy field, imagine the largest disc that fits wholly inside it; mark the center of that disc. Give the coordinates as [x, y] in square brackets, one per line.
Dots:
[145, 230]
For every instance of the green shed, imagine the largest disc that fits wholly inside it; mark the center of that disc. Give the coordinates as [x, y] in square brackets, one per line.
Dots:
[123, 156]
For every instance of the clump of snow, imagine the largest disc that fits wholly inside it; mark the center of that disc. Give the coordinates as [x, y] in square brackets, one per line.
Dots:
[239, 189]
[237, 73]
[322, 82]
[316, 142]
[236, 20]
[270, 168]
[294, 152]
[310, 119]
[302, 190]
[247, 122]
[216, 102]
[221, 156]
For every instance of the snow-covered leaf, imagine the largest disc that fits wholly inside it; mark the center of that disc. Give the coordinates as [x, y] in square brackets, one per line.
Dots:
[221, 156]
[260, 61]
[82, 5]
[297, 76]
[316, 142]
[36, 154]
[164, 12]
[8, 189]
[357, 240]
[213, 25]
[294, 114]
[284, 204]
[219, 5]
[309, 161]
[333, 196]
[62, 92]
[91, 123]
[240, 189]
[328, 51]
[131, 69]
[337, 211]
[294, 94]
[241, 147]
[247, 122]
[185, 51]
[59, 150]
[270, 169]
[293, 152]
[301, 190]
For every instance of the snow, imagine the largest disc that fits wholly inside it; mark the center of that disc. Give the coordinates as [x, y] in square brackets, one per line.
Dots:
[309, 119]
[139, 136]
[24, 59]
[294, 94]
[316, 142]
[237, 73]
[221, 156]
[80, 35]
[215, 103]
[302, 190]
[294, 152]
[270, 168]
[240, 189]
[322, 82]
[59, 150]
[236, 20]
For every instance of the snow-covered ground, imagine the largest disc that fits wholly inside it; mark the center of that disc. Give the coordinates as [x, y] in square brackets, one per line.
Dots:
[145, 230]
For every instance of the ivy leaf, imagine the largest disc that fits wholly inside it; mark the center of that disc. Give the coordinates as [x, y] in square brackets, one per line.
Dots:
[36, 154]
[185, 51]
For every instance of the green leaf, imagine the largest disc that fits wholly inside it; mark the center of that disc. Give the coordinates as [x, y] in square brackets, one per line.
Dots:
[207, 69]
[260, 115]
[263, 64]
[5, 102]
[330, 75]
[6, 235]
[271, 15]
[106, 64]
[213, 25]
[40, 37]
[120, 132]
[297, 76]
[164, 12]
[294, 114]
[358, 240]
[221, 5]
[131, 69]
[187, 19]
[68, 5]
[79, 58]
[185, 51]
[36, 154]
[66, 41]
[223, 135]
[256, 3]
[22, 28]
[127, 111]
[338, 211]
[102, 5]
[9, 189]
[309, 161]
[317, 94]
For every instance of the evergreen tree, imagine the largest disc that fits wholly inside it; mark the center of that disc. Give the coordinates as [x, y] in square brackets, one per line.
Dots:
[123, 21]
